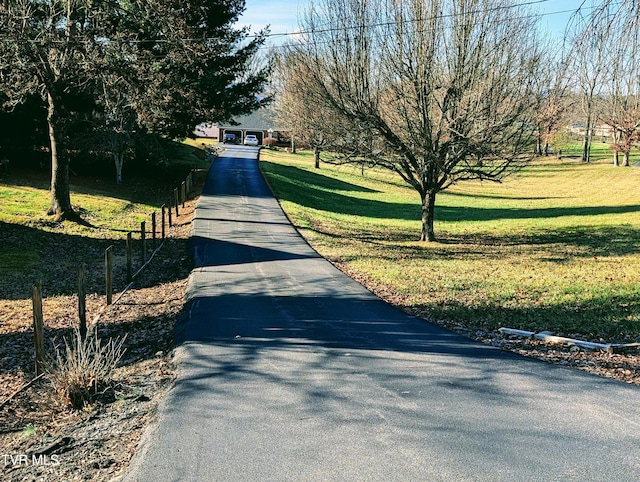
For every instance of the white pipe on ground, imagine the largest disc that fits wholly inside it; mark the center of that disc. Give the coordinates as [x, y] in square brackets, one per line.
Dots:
[549, 338]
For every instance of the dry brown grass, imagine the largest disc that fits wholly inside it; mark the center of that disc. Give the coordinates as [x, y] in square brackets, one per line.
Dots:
[97, 441]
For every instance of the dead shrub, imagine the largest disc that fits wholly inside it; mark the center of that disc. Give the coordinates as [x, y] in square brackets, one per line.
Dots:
[82, 370]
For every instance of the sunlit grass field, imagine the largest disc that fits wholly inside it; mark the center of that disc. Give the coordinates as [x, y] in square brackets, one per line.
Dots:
[555, 247]
[600, 151]
[27, 204]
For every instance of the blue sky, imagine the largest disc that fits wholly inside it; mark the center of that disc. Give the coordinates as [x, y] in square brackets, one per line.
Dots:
[282, 14]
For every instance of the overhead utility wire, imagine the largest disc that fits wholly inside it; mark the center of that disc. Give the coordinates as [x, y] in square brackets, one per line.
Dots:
[573, 11]
[333, 29]
[384, 24]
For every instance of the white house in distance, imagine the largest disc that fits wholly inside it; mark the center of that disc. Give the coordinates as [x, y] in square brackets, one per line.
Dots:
[601, 130]
[207, 130]
[260, 123]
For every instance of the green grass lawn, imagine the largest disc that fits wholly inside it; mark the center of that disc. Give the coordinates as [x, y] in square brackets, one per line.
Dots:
[600, 151]
[556, 247]
[30, 240]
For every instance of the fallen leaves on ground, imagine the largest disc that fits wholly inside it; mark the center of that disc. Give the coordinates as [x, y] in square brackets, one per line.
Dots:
[49, 441]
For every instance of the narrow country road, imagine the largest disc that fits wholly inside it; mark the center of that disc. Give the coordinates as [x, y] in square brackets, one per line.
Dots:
[290, 371]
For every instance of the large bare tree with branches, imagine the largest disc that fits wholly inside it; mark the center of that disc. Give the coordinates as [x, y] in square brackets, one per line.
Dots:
[552, 88]
[299, 105]
[606, 50]
[442, 90]
[622, 101]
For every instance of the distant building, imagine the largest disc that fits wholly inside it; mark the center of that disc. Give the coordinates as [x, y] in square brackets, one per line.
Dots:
[601, 130]
[207, 130]
[261, 123]
[577, 128]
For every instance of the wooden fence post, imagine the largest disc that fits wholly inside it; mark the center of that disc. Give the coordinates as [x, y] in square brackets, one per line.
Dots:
[143, 238]
[82, 300]
[170, 219]
[176, 200]
[164, 208]
[183, 188]
[129, 256]
[108, 273]
[38, 327]
[153, 229]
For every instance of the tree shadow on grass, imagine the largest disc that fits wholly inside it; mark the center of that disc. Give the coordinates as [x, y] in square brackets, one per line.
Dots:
[614, 318]
[135, 189]
[29, 255]
[583, 241]
[496, 196]
[557, 245]
[314, 190]
[306, 178]
[455, 213]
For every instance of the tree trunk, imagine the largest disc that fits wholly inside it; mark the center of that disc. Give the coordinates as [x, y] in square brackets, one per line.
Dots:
[119, 161]
[616, 150]
[60, 197]
[586, 141]
[428, 209]
[625, 159]
[316, 155]
[586, 148]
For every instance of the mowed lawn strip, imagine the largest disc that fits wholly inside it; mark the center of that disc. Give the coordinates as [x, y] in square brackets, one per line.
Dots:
[555, 247]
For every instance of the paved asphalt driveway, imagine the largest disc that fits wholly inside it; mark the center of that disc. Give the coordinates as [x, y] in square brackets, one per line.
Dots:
[292, 371]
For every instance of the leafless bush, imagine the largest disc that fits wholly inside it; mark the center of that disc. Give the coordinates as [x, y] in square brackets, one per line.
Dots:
[270, 141]
[83, 369]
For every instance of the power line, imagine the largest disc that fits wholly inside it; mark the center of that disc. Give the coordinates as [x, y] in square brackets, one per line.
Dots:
[573, 11]
[384, 24]
[331, 29]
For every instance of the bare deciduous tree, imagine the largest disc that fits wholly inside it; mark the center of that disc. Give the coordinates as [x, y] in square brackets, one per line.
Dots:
[606, 48]
[444, 86]
[622, 85]
[552, 87]
[299, 105]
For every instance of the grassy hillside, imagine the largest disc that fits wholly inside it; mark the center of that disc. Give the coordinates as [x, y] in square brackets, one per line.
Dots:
[556, 247]
[33, 247]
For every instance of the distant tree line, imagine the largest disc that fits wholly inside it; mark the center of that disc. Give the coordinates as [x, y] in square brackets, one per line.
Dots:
[116, 77]
[606, 61]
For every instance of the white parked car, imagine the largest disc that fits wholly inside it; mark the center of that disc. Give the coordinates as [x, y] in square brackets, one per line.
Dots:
[250, 140]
